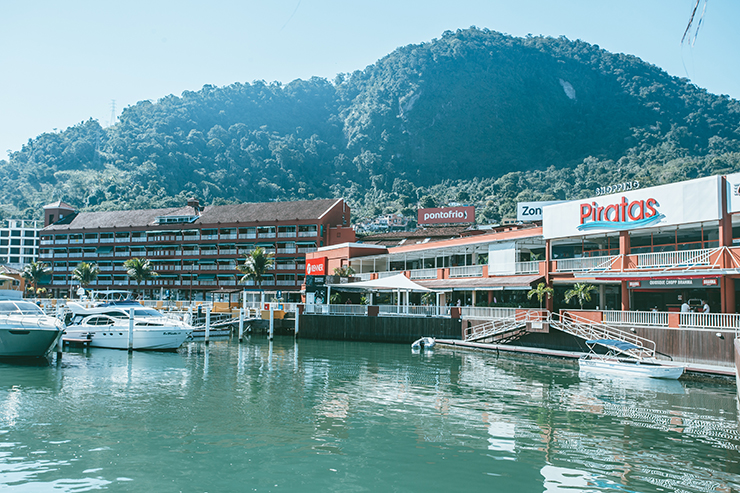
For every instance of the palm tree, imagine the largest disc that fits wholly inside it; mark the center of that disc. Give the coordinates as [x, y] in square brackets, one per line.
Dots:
[581, 291]
[85, 273]
[35, 272]
[541, 291]
[256, 264]
[139, 269]
[344, 271]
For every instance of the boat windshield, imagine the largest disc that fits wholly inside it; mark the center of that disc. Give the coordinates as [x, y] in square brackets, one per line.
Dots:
[19, 308]
[146, 312]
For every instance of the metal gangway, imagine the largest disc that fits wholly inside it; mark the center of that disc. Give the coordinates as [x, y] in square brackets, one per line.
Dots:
[590, 330]
[504, 329]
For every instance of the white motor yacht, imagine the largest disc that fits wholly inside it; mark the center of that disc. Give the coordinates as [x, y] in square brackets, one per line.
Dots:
[107, 326]
[26, 331]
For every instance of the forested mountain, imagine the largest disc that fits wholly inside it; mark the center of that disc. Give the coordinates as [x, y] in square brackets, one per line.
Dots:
[476, 117]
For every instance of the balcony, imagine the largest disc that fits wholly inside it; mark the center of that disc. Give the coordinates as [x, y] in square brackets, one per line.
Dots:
[139, 239]
[585, 264]
[230, 251]
[285, 266]
[423, 274]
[467, 271]
[531, 267]
[266, 235]
[681, 258]
[209, 237]
[122, 239]
[288, 234]
[306, 250]
[284, 283]
[286, 250]
[61, 242]
[248, 236]
[106, 240]
[230, 237]
[209, 252]
[307, 234]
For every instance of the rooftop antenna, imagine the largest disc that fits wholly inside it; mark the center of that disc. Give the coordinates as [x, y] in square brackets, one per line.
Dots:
[112, 112]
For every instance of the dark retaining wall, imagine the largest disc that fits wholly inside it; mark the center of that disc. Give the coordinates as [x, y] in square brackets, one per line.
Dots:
[701, 347]
[404, 330]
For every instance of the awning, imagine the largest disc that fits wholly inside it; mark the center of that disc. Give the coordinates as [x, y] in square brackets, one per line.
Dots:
[391, 283]
[207, 276]
[105, 249]
[497, 283]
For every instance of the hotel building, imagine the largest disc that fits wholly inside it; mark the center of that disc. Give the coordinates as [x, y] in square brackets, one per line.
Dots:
[194, 250]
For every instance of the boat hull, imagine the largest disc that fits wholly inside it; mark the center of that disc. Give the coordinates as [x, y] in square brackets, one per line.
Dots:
[630, 369]
[27, 342]
[160, 338]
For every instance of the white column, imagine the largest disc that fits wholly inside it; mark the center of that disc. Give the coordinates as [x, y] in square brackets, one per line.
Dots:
[131, 329]
[272, 320]
[208, 323]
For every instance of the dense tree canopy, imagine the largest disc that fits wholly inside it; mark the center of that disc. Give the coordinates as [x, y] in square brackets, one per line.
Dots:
[475, 117]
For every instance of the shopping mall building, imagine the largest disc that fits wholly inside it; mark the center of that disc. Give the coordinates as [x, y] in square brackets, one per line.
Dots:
[643, 248]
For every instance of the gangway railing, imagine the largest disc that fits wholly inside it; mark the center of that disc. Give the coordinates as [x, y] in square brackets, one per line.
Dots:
[500, 326]
[589, 330]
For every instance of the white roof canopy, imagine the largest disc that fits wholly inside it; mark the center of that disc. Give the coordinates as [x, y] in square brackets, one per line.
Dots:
[391, 283]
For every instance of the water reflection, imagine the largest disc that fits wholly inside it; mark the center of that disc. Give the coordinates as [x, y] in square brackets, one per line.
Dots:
[322, 415]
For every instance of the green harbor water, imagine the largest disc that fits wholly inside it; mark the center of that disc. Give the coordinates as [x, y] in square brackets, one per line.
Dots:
[335, 416]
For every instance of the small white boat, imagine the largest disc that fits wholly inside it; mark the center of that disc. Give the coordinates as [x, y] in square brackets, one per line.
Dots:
[107, 326]
[423, 343]
[612, 364]
[26, 331]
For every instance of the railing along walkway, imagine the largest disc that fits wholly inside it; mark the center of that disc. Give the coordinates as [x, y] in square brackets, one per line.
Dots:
[590, 330]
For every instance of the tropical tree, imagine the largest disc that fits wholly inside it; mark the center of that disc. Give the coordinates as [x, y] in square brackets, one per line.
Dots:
[344, 271]
[35, 272]
[256, 264]
[139, 269]
[85, 273]
[542, 292]
[581, 291]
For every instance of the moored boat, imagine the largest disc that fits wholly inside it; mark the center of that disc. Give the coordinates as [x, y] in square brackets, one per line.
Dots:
[25, 331]
[620, 360]
[423, 343]
[615, 366]
[107, 326]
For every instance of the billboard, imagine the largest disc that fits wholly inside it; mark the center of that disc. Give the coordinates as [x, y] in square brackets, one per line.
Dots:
[685, 202]
[462, 214]
[532, 211]
[316, 266]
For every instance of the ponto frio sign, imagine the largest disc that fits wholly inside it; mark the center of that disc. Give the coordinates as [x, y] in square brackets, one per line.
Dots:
[443, 215]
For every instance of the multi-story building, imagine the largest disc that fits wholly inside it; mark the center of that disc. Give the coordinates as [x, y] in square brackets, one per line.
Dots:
[645, 249]
[194, 250]
[19, 242]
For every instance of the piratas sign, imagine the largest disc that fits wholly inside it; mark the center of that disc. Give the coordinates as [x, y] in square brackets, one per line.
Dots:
[463, 214]
[316, 266]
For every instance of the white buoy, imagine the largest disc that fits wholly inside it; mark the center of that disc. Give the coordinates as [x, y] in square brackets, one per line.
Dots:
[131, 329]
[208, 323]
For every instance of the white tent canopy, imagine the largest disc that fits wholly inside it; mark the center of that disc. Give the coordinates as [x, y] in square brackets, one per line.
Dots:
[399, 282]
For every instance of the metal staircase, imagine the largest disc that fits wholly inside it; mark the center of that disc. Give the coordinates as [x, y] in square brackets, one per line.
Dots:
[502, 330]
[590, 330]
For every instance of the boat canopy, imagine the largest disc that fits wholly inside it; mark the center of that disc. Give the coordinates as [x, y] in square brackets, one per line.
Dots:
[621, 345]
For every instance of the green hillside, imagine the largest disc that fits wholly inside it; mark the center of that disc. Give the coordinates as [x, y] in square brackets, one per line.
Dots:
[475, 117]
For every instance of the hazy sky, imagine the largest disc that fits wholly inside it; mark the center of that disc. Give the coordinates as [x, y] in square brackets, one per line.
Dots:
[62, 62]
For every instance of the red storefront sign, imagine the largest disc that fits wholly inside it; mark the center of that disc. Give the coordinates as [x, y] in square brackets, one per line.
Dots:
[447, 215]
[316, 266]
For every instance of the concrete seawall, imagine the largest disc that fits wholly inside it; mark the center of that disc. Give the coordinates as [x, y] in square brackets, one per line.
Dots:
[402, 330]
